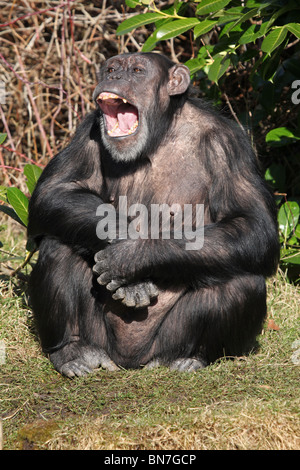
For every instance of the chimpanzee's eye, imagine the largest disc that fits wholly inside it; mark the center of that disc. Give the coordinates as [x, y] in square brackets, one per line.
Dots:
[137, 69]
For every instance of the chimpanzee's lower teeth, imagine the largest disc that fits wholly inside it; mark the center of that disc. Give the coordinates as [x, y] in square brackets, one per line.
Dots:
[133, 128]
[116, 126]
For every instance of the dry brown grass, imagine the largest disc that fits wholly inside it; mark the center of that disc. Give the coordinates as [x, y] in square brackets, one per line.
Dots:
[210, 430]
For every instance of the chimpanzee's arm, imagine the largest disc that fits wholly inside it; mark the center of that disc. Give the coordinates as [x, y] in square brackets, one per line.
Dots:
[231, 247]
[242, 237]
[62, 204]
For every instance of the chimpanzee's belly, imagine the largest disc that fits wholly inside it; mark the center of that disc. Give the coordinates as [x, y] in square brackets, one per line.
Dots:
[132, 331]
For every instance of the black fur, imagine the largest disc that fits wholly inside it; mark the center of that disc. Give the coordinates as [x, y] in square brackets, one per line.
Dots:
[211, 302]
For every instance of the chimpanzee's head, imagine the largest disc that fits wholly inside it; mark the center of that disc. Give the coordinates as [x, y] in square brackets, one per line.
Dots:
[138, 95]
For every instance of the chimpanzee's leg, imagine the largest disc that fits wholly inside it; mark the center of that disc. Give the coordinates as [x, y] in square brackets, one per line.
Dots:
[68, 315]
[210, 323]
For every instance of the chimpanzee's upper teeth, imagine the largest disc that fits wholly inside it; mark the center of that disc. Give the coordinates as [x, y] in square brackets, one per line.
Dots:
[107, 96]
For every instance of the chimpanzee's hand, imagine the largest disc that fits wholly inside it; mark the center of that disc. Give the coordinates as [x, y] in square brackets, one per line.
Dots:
[108, 268]
[136, 295]
[132, 294]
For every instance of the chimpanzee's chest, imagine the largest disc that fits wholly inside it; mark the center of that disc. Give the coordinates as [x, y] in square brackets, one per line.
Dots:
[170, 179]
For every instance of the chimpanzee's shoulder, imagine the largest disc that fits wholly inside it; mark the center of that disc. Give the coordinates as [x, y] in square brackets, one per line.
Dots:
[205, 115]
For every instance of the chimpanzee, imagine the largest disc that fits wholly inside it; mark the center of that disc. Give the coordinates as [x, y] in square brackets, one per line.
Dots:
[111, 297]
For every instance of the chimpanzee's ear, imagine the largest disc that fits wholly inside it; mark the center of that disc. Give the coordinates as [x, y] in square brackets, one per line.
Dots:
[179, 79]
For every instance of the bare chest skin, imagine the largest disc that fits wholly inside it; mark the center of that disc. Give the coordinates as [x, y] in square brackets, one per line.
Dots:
[154, 183]
[160, 181]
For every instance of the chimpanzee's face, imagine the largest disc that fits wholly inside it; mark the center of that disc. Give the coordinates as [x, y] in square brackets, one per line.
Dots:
[132, 96]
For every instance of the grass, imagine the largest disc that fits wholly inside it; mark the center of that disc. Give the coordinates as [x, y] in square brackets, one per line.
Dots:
[249, 403]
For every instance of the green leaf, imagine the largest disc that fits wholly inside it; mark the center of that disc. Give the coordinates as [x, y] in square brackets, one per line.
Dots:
[297, 231]
[294, 28]
[281, 136]
[288, 217]
[132, 3]
[243, 18]
[170, 30]
[230, 15]
[9, 211]
[229, 27]
[270, 64]
[294, 259]
[177, 8]
[264, 4]
[253, 32]
[209, 6]
[260, 5]
[19, 202]
[32, 172]
[290, 256]
[195, 64]
[2, 138]
[275, 175]
[150, 43]
[204, 27]
[218, 68]
[137, 21]
[274, 39]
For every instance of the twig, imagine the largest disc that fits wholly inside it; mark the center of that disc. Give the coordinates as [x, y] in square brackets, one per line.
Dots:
[25, 262]
[34, 13]
[232, 110]
[36, 112]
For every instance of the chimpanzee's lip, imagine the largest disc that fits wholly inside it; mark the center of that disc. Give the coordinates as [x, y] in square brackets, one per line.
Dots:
[121, 116]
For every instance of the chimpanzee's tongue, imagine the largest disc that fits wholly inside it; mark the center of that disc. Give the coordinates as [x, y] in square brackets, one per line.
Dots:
[127, 117]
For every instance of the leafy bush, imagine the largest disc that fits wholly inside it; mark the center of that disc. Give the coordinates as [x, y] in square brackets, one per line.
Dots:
[17, 200]
[238, 27]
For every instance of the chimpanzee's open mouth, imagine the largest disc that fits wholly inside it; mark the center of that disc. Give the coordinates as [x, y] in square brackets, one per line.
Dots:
[121, 117]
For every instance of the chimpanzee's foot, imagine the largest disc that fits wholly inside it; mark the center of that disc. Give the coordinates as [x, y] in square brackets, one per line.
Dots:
[187, 364]
[184, 364]
[75, 360]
